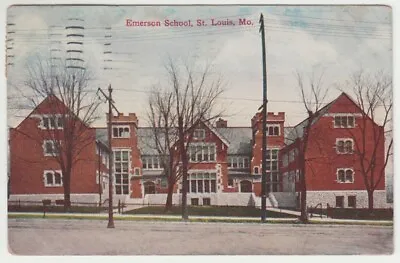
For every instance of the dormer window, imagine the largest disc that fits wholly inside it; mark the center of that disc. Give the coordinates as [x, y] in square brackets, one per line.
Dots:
[199, 134]
[121, 131]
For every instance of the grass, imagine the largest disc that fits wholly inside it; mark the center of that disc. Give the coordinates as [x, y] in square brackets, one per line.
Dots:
[57, 209]
[178, 219]
[356, 213]
[228, 211]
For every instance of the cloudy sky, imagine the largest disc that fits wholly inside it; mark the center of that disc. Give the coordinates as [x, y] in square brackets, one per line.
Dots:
[336, 40]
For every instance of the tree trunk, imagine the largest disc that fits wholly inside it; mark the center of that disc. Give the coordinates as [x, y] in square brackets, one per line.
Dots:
[168, 204]
[184, 160]
[67, 191]
[303, 206]
[370, 201]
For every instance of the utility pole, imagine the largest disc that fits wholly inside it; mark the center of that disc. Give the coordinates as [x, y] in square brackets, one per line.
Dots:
[110, 159]
[264, 126]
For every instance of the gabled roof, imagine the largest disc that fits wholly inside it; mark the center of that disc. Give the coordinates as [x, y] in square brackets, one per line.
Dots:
[48, 100]
[292, 133]
[239, 139]
[102, 135]
[215, 131]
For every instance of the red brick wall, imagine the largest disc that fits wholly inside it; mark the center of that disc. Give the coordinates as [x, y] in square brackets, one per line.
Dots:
[130, 143]
[322, 158]
[28, 163]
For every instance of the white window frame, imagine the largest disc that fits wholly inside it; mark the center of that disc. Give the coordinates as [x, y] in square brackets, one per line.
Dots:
[193, 176]
[345, 170]
[231, 185]
[273, 131]
[123, 127]
[209, 152]
[56, 117]
[254, 170]
[136, 171]
[344, 140]
[239, 160]
[347, 115]
[53, 146]
[53, 172]
[199, 134]
[153, 159]
[121, 173]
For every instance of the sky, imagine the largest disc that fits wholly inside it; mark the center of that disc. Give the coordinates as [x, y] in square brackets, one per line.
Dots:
[334, 40]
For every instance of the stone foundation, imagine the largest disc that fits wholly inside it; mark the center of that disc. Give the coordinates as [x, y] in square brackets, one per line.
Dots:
[329, 197]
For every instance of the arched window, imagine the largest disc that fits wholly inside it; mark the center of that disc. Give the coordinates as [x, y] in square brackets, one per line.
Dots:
[245, 186]
[276, 131]
[340, 146]
[341, 175]
[349, 146]
[256, 170]
[349, 176]
[149, 188]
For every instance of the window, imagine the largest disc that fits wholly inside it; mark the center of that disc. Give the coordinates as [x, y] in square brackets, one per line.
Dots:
[345, 175]
[351, 201]
[340, 201]
[202, 182]
[52, 122]
[50, 148]
[152, 163]
[238, 162]
[149, 188]
[137, 171]
[194, 201]
[344, 146]
[344, 121]
[121, 169]
[199, 134]
[246, 186]
[256, 170]
[202, 152]
[273, 130]
[230, 182]
[292, 155]
[121, 131]
[206, 201]
[164, 183]
[53, 178]
[273, 180]
[285, 160]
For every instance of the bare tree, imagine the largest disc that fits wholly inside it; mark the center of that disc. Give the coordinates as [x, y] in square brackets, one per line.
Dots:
[70, 107]
[312, 97]
[190, 96]
[373, 148]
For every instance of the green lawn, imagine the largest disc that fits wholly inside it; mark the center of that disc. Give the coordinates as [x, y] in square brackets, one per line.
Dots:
[56, 209]
[356, 213]
[232, 211]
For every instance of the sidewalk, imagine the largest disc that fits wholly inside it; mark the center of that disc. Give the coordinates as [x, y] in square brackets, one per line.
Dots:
[177, 218]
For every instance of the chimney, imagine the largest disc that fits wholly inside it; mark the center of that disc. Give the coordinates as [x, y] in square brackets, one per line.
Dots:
[221, 123]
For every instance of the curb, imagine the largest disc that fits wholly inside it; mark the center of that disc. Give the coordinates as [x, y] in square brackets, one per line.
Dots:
[196, 219]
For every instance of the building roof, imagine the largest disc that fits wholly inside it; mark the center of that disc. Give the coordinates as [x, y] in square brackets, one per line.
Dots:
[292, 133]
[102, 135]
[239, 139]
[146, 142]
